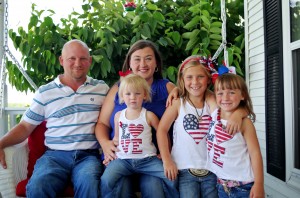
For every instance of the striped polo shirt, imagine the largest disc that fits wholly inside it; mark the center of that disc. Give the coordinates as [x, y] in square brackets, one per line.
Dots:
[71, 115]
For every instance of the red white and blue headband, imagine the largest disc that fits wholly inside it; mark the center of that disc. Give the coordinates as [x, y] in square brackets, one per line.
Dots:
[211, 66]
[208, 63]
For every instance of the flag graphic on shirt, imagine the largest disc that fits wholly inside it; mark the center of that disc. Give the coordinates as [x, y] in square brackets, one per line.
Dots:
[221, 135]
[125, 144]
[218, 151]
[129, 142]
[135, 130]
[195, 129]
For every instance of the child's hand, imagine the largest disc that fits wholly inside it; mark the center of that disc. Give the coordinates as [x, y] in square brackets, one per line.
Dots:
[257, 191]
[173, 95]
[170, 170]
[106, 161]
[159, 156]
[234, 124]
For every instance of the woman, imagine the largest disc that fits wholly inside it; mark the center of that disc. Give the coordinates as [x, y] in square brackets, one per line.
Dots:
[143, 59]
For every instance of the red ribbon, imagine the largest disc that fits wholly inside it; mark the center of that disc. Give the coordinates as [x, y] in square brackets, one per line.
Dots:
[123, 74]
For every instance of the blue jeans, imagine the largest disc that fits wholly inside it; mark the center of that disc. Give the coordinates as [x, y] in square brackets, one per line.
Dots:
[191, 186]
[235, 192]
[119, 168]
[148, 185]
[52, 172]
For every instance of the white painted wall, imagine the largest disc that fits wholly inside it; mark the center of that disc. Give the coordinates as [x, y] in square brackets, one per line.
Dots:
[255, 77]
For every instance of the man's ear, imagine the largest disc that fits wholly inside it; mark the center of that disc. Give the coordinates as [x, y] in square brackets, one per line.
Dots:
[61, 60]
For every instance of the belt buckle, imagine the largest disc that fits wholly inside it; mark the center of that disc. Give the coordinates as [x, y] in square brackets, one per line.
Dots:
[225, 187]
[198, 172]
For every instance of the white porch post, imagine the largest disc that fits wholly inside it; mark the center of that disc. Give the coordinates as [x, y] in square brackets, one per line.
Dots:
[3, 90]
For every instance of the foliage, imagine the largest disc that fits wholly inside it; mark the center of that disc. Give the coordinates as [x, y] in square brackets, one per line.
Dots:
[179, 28]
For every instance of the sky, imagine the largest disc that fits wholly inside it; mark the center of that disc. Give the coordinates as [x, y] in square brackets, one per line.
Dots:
[19, 12]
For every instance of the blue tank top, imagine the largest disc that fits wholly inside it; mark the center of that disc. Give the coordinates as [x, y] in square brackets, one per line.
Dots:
[157, 105]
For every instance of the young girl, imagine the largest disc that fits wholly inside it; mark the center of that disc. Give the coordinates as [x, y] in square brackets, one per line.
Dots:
[192, 117]
[236, 160]
[137, 153]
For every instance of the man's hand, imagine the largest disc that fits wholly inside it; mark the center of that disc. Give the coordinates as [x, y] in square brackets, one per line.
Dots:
[2, 159]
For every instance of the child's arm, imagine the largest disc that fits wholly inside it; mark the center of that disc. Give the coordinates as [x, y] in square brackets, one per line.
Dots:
[249, 133]
[234, 123]
[116, 121]
[165, 123]
[152, 120]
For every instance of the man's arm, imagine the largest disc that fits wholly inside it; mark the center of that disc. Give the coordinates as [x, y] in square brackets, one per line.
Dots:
[15, 136]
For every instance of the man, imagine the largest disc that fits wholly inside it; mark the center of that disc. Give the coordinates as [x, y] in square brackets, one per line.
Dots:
[70, 104]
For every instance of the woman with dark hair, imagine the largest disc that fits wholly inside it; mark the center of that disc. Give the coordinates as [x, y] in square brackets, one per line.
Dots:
[143, 59]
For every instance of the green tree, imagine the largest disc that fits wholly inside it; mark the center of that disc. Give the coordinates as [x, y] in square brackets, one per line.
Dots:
[179, 28]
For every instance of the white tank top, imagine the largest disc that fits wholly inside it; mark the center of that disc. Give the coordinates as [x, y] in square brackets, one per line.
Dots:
[135, 137]
[189, 137]
[228, 156]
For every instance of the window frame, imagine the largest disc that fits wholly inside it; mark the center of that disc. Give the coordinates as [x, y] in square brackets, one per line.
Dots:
[292, 173]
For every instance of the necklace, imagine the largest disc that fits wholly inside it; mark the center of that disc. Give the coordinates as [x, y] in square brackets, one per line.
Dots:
[199, 116]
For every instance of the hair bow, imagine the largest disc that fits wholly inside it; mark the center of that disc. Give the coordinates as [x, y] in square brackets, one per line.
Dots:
[123, 74]
[222, 70]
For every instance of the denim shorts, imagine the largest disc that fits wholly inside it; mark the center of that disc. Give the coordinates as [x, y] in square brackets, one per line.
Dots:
[235, 192]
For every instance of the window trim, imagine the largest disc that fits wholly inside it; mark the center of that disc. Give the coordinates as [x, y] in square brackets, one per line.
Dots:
[292, 174]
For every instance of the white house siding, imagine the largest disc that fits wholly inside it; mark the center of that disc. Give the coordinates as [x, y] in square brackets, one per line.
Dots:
[255, 77]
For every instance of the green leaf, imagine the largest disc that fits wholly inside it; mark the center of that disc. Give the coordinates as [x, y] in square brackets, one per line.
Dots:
[146, 31]
[194, 22]
[145, 16]
[205, 20]
[187, 35]
[136, 20]
[109, 50]
[33, 21]
[158, 16]
[215, 36]
[151, 6]
[192, 42]
[176, 37]
[216, 24]
[48, 22]
[215, 30]
[162, 41]
[97, 58]
[172, 73]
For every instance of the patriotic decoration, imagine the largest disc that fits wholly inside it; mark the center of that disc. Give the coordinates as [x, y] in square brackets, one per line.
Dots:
[131, 145]
[221, 134]
[129, 5]
[134, 130]
[125, 145]
[218, 150]
[197, 130]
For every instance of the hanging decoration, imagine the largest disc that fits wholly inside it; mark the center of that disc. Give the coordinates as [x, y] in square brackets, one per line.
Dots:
[224, 68]
[129, 5]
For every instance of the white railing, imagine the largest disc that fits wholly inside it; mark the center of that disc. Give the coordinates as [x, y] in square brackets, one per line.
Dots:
[10, 118]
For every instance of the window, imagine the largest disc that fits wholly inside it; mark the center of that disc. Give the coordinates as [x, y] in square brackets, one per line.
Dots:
[296, 66]
[295, 20]
[295, 38]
